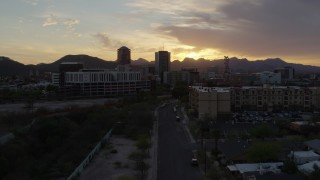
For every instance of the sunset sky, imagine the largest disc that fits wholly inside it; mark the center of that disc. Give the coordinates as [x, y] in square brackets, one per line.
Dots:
[35, 31]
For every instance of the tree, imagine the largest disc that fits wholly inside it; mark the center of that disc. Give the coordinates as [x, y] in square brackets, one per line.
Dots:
[143, 143]
[263, 131]
[181, 91]
[315, 174]
[216, 135]
[289, 167]
[263, 152]
[139, 158]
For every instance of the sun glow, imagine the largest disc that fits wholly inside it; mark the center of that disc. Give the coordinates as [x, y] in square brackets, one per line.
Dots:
[192, 55]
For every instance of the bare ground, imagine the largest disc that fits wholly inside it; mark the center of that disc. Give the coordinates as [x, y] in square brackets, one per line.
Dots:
[103, 166]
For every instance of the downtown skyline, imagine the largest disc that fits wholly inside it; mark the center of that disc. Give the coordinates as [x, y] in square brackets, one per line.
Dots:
[41, 31]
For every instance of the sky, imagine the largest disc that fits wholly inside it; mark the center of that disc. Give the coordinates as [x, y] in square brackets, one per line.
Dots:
[42, 31]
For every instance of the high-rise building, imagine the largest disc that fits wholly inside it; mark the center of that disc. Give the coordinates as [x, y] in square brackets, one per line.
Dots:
[287, 73]
[162, 62]
[124, 56]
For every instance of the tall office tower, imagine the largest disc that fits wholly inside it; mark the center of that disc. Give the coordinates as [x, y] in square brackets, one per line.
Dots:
[287, 73]
[162, 63]
[124, 56]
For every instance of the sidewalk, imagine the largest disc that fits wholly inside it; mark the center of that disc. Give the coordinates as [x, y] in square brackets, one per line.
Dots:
[153, 160]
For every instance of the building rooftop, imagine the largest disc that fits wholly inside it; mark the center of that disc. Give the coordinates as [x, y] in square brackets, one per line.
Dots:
[209, 89]
[313, 144]
[300, 123]
[256, 167]
[309, 167]
[71, 63]
[280, 176]
[305, 154]
[271, 87]
[123, 47]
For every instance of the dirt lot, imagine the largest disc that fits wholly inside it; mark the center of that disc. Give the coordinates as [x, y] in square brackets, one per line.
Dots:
[109, 166]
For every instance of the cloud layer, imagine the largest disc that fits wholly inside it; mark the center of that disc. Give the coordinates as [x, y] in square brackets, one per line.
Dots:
[244, 27]
[52, 20]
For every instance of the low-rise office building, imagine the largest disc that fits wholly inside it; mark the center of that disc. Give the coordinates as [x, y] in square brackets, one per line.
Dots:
[99, 82]
[187, 75]
[267, 77]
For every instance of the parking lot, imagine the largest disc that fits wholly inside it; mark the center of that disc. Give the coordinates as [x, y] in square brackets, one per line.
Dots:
[268, 117]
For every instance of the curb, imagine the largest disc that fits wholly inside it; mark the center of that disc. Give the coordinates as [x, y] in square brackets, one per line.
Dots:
[153, 170]
[186, 122]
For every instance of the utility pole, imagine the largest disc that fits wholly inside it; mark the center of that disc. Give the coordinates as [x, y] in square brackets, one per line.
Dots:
[205, 158]
[226, 68]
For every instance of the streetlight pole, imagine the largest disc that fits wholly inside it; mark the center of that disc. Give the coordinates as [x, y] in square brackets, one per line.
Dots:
[205, 158]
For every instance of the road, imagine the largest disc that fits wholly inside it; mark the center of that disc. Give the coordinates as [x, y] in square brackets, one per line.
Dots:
[174, 149]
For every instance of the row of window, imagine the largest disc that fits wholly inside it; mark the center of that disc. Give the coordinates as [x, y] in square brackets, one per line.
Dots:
[101, 77]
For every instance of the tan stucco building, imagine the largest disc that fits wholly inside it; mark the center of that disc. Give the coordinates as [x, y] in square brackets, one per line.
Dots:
[211, 101]
[219, 101]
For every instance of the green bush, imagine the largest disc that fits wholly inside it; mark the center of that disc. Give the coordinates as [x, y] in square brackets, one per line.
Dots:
[114, 151]
[263, 152]
[117, 164]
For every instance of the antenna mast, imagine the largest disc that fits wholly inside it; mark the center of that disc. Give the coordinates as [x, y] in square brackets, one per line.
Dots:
[226, 67]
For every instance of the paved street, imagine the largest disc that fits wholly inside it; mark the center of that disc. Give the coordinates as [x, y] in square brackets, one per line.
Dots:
[174, 149]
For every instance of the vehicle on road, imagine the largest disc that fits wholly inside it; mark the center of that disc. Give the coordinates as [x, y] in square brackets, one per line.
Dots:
[177, 118]
[194, 162]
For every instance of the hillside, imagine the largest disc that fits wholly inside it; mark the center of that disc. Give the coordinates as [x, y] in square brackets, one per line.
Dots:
[243, 65]
[11, 67]
[88, 61]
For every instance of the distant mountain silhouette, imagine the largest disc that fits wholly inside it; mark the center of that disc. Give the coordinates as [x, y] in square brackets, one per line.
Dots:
[88, 61]
[11, 67]
[242, 65]
[140, 61]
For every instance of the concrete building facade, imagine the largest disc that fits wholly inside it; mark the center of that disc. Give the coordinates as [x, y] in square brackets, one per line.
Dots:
[185, 75]
[214, 102]
[106, 83]
[275, 98]
[287, 73]
[267, 77]
[124, 56]
[68, 67]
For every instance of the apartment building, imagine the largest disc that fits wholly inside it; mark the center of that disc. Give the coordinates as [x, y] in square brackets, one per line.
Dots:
[275, 98]
[216, 100]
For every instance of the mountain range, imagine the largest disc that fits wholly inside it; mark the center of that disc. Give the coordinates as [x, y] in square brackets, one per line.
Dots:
[12, 67]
